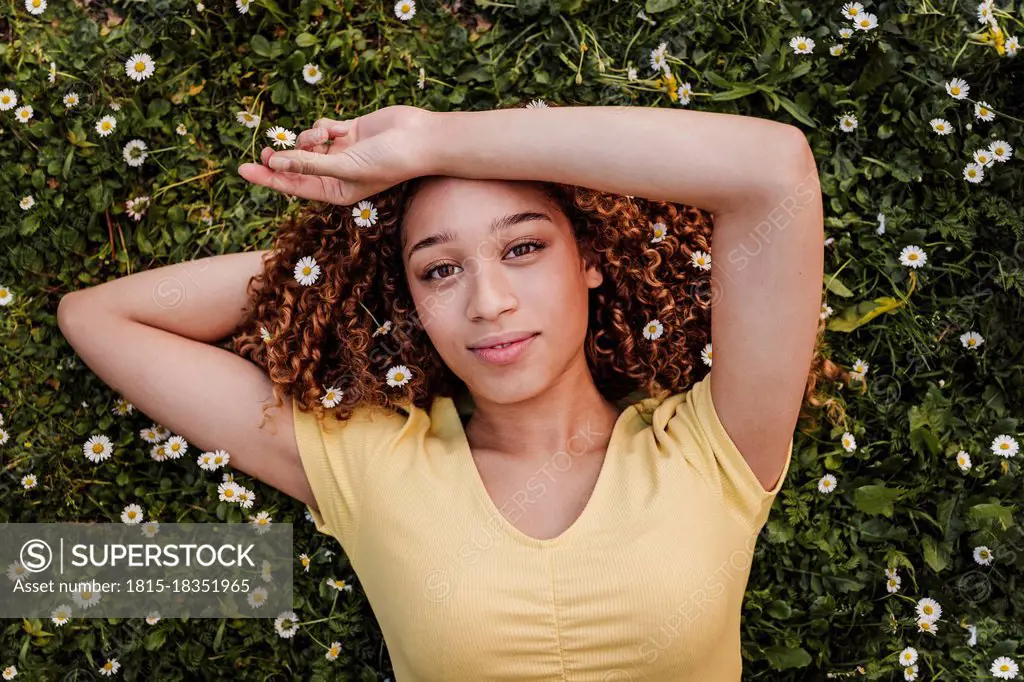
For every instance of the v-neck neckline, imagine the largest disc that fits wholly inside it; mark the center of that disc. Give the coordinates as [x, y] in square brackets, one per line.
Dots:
[464, 455]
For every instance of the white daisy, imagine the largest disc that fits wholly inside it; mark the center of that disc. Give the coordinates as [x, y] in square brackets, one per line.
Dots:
[657, 58]
[659, 230]
[286, 624]
[1005, 446]
[701, 260]
[110, 667]
[653, 330]
[23, 114]
[365, 214]
[1001, 150]
[827, 483]
[941, 126]
[928, 609]
[153, 618]
[85, 598]
[139, 66]
[398, 376]
[228, 491]
[246, 498]
[16, 571]
[983, 555]
[257, 598]
[247, 119]
[150, 434]
[910, 673]
[957, 88]
[261, 522]
[106, 125]
[135, 153]
[97, 448]
[860, 368]
[852, 10]
[848, 123]
[422, 80]
[35, 6]
[983, 111]
[61, 615]
[983, 157]
[8, 99]
[849, 442]
[801, 44]
[332, 396]
[631, 74]
[131, 515]
[684, 91]
[281, 137]
[836, 49]
[151, 528]
[158, 452]
[29, 481]
[136, 208]
[865, 22]
[333, 651]
[826, 311]
[304, 560]
[383, 329]
[908, 656]
[845, 33]
[339, 584]
[984, 12]
[265, 335]
[176, 447]
[913, 257]
[892, 584]
[307, 271]
[705, 355]
[973, 172]
[537, 104]
[1004, 668]
[405, 9]
[963, 460]
[3, 436]
[181, 129]
[929, 626]
[1012, 45]
[27, 202]
[311, 73]
[5, 298]
[242, 6]
[971, 340]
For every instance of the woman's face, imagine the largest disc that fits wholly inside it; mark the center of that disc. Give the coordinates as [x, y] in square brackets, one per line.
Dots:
[485, 258]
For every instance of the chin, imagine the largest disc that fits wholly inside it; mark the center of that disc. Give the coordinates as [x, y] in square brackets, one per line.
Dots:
[510, 387]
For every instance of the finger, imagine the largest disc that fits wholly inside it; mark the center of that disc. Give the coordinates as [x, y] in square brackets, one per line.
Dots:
[305, 186]
[315, 138]
[301, 161]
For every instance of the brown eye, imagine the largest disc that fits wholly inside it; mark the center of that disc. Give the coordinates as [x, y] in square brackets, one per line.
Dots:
[428, 275]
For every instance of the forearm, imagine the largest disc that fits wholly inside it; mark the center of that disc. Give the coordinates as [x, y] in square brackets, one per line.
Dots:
[708, 160]
[201, 299]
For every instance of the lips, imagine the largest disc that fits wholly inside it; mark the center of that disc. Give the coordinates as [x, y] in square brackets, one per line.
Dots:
[504, 354]
[502, 339]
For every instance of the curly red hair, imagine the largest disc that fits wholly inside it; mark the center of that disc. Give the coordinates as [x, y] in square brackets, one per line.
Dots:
[358, 319]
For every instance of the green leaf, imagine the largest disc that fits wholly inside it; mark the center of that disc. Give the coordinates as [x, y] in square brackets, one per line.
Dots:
[833, 284]
[780, 609]
[306, 39]
[987, 514]
[261, 46]
[876, 499]
[936, 555]
[155, 640]
[735, 93]
[796, 112]
[782, 657]
[654, 6]
[855, 316]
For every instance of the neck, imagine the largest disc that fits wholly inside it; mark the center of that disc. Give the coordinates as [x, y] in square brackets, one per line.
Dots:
[570, 417]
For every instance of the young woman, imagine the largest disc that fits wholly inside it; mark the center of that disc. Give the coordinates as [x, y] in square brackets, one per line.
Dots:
[509, 315]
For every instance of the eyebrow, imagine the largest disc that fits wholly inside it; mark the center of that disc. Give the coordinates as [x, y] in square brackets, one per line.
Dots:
[499, 223]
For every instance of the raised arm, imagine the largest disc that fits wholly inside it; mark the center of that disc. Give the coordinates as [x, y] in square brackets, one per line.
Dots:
[149, 337]
[758, 178]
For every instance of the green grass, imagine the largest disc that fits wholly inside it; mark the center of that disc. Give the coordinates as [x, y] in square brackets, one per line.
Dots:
[817, 601]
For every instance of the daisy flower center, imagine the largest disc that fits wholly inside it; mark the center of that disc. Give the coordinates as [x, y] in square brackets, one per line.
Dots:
[955, 90]
[97, 447]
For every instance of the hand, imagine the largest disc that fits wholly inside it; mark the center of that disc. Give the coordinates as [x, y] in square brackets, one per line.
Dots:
[366, 155]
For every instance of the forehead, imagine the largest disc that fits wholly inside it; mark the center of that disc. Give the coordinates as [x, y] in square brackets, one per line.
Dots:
[461, 209]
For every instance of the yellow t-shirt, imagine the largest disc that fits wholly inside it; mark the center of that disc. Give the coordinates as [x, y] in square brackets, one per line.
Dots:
[647, 584]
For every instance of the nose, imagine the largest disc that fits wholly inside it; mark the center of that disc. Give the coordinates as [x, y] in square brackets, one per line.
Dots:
[491, 292]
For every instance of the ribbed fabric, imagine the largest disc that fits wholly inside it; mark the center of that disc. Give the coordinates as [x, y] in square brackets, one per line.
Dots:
[647, 584]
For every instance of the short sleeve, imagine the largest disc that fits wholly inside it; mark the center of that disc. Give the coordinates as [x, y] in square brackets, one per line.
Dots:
[338, 457]
[688, 425]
